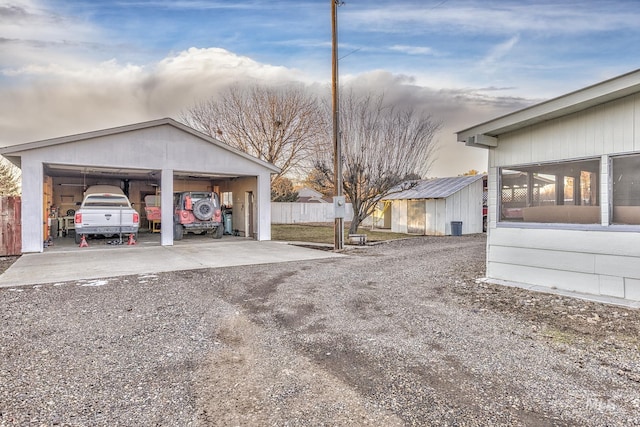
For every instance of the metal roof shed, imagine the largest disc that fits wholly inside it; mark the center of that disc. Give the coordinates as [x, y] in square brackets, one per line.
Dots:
[431, 205]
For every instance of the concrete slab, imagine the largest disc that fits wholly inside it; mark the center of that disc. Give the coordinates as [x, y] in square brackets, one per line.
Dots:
[105, 261]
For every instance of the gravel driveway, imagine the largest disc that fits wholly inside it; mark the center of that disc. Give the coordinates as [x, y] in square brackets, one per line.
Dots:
[393, 334]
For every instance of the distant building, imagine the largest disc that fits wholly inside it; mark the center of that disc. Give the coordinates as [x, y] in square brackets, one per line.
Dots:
[309, 195]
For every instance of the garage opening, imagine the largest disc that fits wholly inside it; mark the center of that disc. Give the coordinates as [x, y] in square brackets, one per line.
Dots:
[64, 187]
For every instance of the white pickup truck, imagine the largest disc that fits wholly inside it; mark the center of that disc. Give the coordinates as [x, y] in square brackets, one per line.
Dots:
[105, 211]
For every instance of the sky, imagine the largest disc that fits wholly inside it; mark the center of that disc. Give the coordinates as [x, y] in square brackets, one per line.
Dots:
[81, 65]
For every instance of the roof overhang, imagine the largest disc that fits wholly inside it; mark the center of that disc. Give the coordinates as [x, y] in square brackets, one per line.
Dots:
[14, 152]
[485, 134]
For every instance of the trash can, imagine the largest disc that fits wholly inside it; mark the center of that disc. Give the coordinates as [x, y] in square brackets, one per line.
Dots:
[456, 228]
[226, 217]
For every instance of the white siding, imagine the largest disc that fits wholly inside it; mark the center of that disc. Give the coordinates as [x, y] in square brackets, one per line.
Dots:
[466, 206]
[436, 211]
[589, 261]
[399, 216]
[164, 147]
[32, 210]
[595, 262]
[605, 129]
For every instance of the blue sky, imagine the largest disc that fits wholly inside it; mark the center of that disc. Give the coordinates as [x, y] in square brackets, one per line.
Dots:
[72, 66]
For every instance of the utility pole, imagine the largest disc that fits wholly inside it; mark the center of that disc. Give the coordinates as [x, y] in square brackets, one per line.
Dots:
[338, 200]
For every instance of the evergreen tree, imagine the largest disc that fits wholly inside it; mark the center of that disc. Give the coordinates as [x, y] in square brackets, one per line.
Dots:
[9, 179]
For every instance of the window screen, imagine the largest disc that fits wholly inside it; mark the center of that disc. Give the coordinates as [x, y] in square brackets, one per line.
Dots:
[562, 192]
[626, 189]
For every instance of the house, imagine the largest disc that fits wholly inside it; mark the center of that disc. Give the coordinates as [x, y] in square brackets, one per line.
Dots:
[431, 206]
[564, 191]
[309, 195]
[156, 157]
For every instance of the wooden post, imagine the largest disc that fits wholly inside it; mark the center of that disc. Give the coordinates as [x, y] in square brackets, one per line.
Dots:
[337, 148]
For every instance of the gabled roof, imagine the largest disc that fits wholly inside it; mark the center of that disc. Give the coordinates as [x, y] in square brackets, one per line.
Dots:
[14, 151]
[309, 195]
[436, 188]
[483, 134]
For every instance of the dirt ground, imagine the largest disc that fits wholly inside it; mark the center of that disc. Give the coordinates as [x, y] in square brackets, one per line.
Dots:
[6, 262]
[399, 333]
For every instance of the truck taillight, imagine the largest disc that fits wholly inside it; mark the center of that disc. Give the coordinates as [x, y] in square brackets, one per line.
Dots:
[218, 214]
[78, 218]
[136, 218]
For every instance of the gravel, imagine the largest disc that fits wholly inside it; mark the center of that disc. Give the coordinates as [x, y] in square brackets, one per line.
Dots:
[398, 333]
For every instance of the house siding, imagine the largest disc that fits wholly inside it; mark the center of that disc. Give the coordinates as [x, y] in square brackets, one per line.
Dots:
[605, 129]
[582, 261]
[598, 122]
[600, 262]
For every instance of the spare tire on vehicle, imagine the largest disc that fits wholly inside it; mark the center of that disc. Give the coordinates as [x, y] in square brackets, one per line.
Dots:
[203, 209]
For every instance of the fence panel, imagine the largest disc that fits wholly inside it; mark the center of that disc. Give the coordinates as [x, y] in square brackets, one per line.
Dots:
[10, 226]
[292, 213]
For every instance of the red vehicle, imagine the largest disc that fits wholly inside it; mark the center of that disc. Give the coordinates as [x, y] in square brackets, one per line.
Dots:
[197, 212]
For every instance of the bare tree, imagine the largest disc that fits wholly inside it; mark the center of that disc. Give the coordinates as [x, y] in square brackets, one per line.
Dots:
[318, 181]
[275, 124]
[9, 179]
[383, 148]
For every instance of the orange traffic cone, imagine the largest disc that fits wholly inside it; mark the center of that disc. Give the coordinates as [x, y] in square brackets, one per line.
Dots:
[131, 240]
[83, 242]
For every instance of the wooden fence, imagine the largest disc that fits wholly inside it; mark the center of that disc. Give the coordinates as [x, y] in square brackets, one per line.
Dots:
[10, 226]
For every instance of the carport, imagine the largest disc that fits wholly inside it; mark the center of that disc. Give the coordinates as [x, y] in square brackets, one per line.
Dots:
[156, 157]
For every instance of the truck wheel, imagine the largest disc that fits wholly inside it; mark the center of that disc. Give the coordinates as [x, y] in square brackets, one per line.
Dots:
[217, 234]
[178, 232]
[203, 209]
[78, 238]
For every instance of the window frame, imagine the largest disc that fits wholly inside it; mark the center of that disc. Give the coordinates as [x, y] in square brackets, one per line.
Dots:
[545, 168]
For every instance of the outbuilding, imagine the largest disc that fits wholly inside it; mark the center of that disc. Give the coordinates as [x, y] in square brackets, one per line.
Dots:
[564, 191]
[435, 207]
[157, 158]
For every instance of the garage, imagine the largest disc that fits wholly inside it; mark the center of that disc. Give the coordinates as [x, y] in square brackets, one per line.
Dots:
[155, 158]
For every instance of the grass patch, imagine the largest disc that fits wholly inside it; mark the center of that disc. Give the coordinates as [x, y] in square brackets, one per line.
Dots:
[323, 233]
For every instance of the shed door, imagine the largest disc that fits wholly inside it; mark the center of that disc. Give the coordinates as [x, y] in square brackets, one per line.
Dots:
[416, 214]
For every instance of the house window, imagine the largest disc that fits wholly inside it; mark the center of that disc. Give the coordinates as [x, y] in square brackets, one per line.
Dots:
[626, 189]
[562, 192]
[227, 199]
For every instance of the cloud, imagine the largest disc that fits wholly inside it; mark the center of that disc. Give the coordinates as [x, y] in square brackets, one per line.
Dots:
[61, 73]
[499, 51]
[412, 50]
[497, 18]
[33, 34]
[60, 101]
[455, 108]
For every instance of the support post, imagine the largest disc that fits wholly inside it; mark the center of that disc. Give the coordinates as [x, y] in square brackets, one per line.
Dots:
[337, 148]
